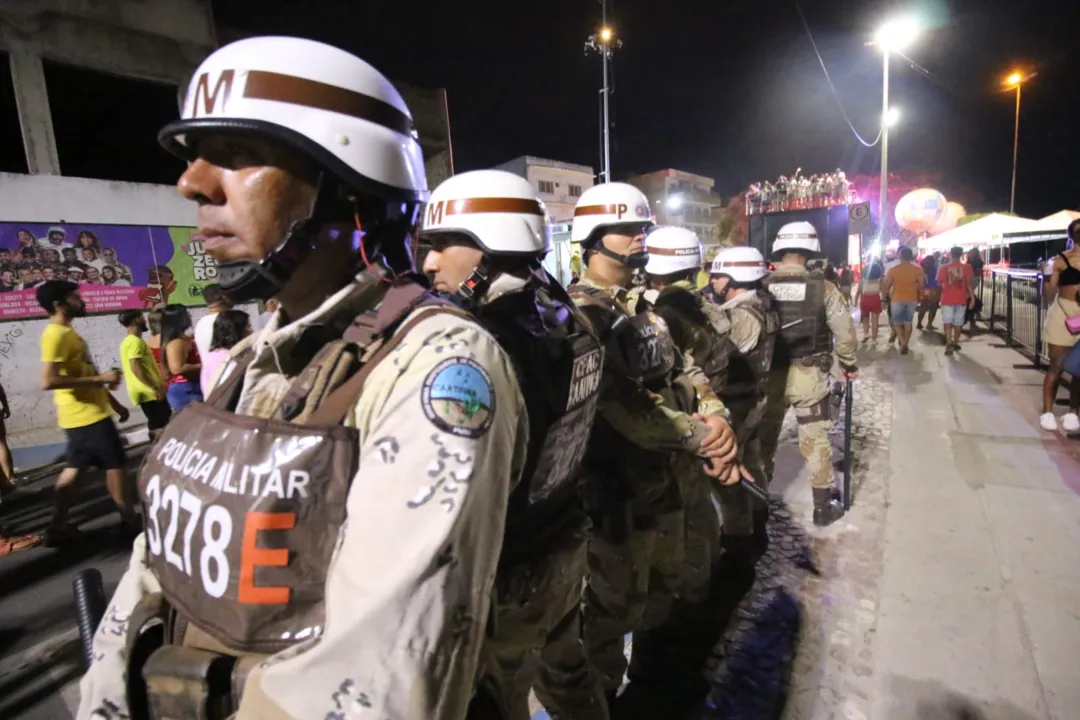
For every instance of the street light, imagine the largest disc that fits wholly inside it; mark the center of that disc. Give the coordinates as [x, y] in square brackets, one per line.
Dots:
[1016, 79]
[892, 117]
[896, 34]
[675, 202]
[604, 41]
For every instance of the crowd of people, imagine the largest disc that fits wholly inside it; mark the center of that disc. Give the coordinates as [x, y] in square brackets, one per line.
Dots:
[912, 292]
[35, 261]
[163, 373]
[799, 192]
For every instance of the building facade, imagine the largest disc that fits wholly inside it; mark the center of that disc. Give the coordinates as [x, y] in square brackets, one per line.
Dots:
[559, 184]
[682, 199]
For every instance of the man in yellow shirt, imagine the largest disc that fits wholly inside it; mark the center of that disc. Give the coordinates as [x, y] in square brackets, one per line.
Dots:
[142, 374]
[904, 285]
[84, 409]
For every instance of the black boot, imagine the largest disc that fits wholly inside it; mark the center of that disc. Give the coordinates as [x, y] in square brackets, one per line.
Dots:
[827, 509]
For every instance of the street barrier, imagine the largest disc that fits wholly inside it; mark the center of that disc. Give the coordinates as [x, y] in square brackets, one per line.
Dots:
[1013, 307]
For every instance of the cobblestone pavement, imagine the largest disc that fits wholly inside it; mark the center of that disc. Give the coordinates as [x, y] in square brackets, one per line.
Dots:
[801, 644]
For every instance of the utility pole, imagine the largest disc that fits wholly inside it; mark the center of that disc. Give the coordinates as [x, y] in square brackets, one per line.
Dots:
[604, 42]
[883, 210]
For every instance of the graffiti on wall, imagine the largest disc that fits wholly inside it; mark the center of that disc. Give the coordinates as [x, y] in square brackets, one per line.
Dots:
[117, 267]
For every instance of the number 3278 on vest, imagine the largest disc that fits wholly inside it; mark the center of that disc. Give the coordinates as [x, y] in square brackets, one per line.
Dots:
[205, 537]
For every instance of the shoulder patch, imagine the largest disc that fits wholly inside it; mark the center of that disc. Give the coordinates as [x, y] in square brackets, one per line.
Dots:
[459, 398]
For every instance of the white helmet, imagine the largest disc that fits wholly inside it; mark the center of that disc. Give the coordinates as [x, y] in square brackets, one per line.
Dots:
[603, 206]
[497, 210]
[798, 237]
[741, 264]
[672, 250]
[328, 104]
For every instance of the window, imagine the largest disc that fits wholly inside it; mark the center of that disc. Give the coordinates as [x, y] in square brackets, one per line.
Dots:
[106, 126]
[12, 155]
[575, 191]
[547, 186]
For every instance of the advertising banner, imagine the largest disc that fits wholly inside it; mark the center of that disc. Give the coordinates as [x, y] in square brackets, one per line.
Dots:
[117, 267]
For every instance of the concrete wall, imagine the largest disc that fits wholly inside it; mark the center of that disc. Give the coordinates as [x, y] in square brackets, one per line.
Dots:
[32, 428]
[159, 40]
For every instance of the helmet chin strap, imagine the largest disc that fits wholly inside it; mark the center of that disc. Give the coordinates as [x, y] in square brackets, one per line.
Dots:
[245, 280]
[478, 282]
[635, 261]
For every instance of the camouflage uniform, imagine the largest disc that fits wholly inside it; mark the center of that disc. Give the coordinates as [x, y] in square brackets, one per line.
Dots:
[636, 550]
[804, 384]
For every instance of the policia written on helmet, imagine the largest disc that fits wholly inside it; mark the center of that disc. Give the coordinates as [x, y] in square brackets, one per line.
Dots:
[309, 178]
[488, 232]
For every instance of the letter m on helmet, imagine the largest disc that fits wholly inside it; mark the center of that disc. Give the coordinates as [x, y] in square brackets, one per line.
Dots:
[207, 101]
[435, 213]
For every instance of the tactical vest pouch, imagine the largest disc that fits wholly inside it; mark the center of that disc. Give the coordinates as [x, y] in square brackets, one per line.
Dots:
[647, 346]
[189, 683]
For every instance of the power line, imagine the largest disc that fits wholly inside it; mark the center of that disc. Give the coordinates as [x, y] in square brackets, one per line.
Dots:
[832, 87]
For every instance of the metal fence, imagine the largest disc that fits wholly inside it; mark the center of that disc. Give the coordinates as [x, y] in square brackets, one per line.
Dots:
[1013, 307]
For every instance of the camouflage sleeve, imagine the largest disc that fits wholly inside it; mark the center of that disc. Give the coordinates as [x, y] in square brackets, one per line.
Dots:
[745, 330]
[708, 402]
[103, 690]
[842, 326]
[642, 417]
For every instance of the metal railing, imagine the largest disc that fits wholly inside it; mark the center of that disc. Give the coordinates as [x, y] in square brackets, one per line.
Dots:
[1013, 307]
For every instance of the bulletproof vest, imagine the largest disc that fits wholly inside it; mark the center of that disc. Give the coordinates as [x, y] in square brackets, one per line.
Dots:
[800, 298]
[712, 351]
[243, 513]
[639, 349]
[558, 360]
[639, 345]
[748, 372]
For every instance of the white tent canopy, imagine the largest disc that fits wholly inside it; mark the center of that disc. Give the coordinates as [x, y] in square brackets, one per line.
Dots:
[984, 231]
[1058, 221]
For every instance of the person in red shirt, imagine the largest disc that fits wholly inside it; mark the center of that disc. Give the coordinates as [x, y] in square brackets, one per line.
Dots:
[956, 281]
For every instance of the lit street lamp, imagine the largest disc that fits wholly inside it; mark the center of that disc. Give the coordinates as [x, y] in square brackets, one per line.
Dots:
[892, 117]
[1016, 79]
[675, 202]
[894, 35]
[604, 42]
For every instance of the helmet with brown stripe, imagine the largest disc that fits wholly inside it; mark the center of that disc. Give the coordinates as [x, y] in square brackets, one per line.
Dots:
[494, 210]
[336, 110]
[612, 208]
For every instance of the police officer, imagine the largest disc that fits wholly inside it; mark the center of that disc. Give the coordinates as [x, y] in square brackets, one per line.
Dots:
[488, 233]
[750, 312]
[638, 505]
[813, 314]
[321, 540]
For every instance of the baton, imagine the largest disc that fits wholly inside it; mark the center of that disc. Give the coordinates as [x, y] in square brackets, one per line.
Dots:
[847, 445]
[89, 608]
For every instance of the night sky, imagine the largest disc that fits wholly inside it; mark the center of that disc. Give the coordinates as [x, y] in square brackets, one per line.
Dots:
[730, 90]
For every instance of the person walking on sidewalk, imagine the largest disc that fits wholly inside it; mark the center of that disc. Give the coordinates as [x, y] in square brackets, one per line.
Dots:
[7, 470]
[180, 358]
[957, 282]
[904, 285]
[868, 298]
[931, 294]
[813, 314]
[1064, 288]
[141, 373]
[84, 410]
